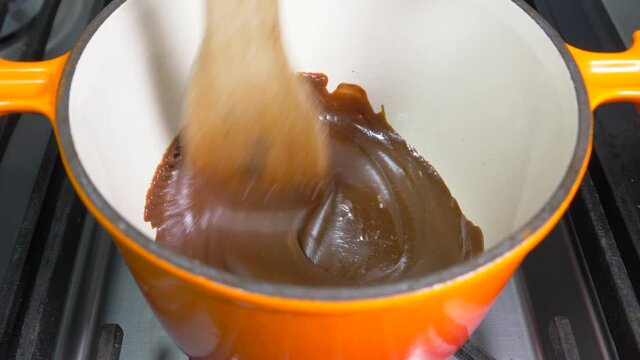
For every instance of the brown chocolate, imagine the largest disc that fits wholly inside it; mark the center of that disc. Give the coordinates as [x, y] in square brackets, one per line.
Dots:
[383, 215]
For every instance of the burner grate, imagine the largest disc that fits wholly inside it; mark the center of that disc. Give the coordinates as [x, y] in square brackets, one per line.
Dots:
[16, 286]
[34, 285]
[606, 214]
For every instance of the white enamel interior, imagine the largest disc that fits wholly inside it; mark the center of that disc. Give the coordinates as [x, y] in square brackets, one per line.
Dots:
[475, 85]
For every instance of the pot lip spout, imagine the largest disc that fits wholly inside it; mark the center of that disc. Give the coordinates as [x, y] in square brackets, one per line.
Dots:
[518, 243]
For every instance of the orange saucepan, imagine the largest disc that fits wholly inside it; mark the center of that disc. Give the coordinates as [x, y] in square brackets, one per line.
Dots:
[502, 108]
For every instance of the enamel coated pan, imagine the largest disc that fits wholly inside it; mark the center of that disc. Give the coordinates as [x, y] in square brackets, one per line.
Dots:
[484, 89]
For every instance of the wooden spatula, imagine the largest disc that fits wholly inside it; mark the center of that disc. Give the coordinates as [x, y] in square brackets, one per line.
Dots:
[249, 119]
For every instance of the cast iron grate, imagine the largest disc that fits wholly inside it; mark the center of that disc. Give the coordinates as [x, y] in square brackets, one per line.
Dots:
[605, 214]
[33, 290]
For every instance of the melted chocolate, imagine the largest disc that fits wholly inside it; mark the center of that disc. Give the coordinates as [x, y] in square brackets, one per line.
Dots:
[385, 214]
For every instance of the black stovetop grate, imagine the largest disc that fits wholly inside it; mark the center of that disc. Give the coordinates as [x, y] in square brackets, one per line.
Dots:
[35, 278]
[33, 288]
[606, 213]
[602, 229]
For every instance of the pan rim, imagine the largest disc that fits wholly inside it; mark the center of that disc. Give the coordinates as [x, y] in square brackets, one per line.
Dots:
[544, 216]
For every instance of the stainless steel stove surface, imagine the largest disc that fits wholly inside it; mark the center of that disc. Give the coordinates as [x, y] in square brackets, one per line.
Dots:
[66, 293]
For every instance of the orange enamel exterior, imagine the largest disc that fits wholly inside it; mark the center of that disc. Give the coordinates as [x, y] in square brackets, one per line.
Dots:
[610, 77]
[30, 86]
[216, 321]
[427, 324]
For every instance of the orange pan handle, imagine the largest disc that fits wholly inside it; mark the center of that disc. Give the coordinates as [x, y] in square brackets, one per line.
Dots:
[30, 86]
[33, 86]
[610, 77]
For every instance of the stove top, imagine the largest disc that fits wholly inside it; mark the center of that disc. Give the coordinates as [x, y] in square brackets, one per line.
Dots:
[66, 293]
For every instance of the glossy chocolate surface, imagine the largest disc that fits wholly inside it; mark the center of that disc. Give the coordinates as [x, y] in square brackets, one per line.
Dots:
[383, 214]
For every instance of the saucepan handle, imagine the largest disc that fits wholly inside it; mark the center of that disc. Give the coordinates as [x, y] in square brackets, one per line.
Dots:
[30, 86]
[33, 86]
[610, 77]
